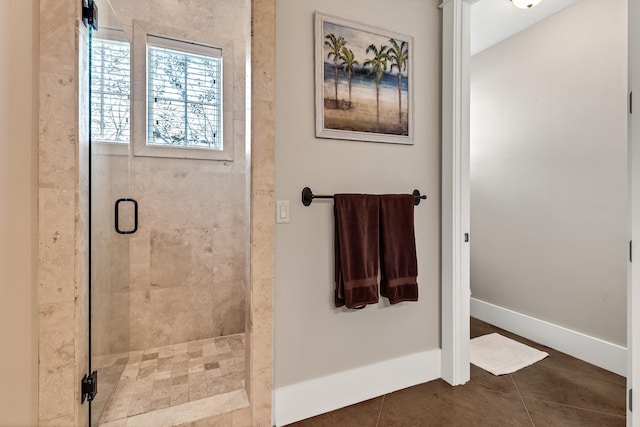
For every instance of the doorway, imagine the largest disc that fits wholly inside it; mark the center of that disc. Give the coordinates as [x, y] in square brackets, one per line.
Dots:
[455, 142]
[548, 181]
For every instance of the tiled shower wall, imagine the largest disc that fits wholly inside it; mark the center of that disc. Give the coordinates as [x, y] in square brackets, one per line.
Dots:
[188, 258]
[186, 263]
[110, 258]
[62, 214]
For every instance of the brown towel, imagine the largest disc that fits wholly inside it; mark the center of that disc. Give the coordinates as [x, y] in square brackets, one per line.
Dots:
[399, 268]
[356, 249]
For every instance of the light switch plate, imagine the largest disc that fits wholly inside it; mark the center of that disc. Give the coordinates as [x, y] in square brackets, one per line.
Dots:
[282, 212]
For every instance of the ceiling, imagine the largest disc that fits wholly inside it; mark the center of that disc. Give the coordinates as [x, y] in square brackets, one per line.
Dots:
[495, 20]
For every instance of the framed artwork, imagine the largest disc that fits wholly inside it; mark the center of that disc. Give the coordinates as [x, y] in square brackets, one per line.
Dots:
[364, 88]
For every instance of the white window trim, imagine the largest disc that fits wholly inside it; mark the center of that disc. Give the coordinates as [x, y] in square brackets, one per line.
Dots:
[111, 34]
[184, 46]
[144, 31]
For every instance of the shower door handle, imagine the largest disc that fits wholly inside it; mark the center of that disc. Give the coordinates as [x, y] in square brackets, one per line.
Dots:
[135, 216]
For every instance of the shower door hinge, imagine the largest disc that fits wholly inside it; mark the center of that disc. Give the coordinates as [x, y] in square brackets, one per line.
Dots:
[90, 15]
[89, 387]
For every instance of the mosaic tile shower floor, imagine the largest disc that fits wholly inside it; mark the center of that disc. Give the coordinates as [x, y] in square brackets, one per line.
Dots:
[174, 375]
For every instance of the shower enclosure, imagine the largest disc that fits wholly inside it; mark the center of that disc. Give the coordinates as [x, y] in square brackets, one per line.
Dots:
[169, 208]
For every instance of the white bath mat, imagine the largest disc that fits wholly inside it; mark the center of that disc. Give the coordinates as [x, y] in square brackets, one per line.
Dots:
[501, 355]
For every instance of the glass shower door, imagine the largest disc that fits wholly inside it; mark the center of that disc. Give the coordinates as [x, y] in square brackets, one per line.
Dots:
[168, 299]
[113, 213]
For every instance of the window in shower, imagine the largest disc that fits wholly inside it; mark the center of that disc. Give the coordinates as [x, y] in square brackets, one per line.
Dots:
[184, 94]
[110, 88]
[184, 105]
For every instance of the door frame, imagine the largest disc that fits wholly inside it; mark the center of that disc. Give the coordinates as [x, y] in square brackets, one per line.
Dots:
[456, 290]
[633, 159]
[456, 204]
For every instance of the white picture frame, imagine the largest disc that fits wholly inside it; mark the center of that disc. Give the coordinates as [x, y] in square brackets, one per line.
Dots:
[364, 82]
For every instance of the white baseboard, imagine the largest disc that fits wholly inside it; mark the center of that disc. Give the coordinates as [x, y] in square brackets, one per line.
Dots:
[309, 398]
[606, 355]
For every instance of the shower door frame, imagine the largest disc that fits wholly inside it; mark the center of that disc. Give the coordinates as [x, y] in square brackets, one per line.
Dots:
[89, 383]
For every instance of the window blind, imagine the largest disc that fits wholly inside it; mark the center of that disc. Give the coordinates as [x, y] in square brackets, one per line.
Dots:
[110, 86]
[184, 95]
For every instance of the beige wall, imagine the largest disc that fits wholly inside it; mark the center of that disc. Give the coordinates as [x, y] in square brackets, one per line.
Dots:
[548, 171]
[312, 338]
[18, 212]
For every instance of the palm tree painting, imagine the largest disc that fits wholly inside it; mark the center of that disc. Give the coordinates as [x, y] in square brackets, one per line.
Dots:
[363, 77]
[399, 55]
[378, 66]
[348, 65]
[335, 45]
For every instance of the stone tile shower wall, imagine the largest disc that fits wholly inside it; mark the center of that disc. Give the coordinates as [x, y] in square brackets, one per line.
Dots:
[62, 214]
[110, 258]
[187, 262]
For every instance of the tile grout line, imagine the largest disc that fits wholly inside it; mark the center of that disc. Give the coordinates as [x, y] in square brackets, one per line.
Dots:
[522, 400]
[127, 386]
[380, 411]
[549, 402]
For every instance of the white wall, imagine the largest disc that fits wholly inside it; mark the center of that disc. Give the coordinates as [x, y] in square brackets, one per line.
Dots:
[548, 171]
[312, 338]
[18, 212]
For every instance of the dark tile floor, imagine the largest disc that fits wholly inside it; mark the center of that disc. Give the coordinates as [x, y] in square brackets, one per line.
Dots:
[558, 391]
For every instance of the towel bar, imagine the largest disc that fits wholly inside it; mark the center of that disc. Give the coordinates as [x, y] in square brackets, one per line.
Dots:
[308, 196]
